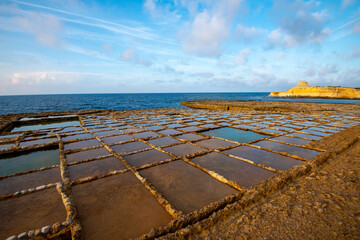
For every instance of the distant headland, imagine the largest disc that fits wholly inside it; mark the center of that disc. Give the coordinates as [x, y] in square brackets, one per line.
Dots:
[304, 90]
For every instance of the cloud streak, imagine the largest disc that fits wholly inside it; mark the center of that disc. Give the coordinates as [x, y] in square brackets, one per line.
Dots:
[104, 24]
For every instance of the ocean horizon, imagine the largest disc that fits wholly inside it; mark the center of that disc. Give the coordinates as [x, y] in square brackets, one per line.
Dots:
[128, 101]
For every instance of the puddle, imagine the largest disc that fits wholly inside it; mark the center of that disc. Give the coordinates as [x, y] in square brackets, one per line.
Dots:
[145, 135]
[77, 136]
[173, 125]
[163, 141]
[268, 130]
[258, 125]
[88, 154]
[100, 129]
[189, 137]
[312, 137]
[117, 207]
[38, 142]
[39, 118]
[215, 143]
[107, 133]
[28, 161]
[209, 126]
[169, 132]
[283, 128]
[117, 139]
[323, 129]
[186, 188]
[30, 211]
[183, 149]
[316, 132]
[95, 168]
[154, 128]
[292, 140]
[190, 129]
[129, 147]
[6, 146]
[194, 123]
[292, 150]
[131, 130]
[44, 125]
[29, 180]
[233, 134]
[276, 161]
[70, 129]
[146, 157]
[245, 174]
[82, 144]
[292, 126]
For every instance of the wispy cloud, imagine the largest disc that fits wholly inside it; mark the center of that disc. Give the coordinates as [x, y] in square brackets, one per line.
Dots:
[129, 55]
[248, 33]
[242, 57]
[101, 23]
[345, 29]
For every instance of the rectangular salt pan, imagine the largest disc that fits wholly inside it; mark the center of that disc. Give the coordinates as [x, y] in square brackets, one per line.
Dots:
[29, 161]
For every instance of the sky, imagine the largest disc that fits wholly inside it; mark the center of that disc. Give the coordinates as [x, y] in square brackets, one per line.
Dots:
[155, 46]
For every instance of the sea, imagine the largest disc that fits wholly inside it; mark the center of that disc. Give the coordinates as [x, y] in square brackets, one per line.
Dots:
[127, 101]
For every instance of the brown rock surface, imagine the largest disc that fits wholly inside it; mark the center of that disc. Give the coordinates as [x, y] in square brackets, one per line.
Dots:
[303, 89]
[324, 204]
[269, 106]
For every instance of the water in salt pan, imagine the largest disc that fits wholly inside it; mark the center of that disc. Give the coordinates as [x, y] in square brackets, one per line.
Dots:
[234, 134]
[29, 161]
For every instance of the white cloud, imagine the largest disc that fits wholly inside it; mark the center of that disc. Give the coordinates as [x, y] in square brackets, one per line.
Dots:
[107, 48]
[150, 6]
[44, 27]
[203, 74]
[280, 55]
[356, 28]
[144, 62]
[347, 3]
[168, 69]
[210, 28]
[300, 23]
[248, 33]
[29, 79]
[328, 69]
[354, 54]
[310, 72]
[129, 55]
[321, 71]
[241, 58]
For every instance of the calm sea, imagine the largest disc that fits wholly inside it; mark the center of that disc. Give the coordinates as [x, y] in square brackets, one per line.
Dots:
[63, 102]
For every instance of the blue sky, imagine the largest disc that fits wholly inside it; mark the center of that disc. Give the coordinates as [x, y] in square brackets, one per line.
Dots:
[73, 46]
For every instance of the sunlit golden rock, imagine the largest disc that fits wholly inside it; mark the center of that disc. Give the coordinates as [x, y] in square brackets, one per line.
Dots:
[304, 90]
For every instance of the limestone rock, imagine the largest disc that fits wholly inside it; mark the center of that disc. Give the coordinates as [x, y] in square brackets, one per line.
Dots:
[304, 90]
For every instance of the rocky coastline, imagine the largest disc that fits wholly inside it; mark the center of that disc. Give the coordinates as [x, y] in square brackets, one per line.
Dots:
[304, 90]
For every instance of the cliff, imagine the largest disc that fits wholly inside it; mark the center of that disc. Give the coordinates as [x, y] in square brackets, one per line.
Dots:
[304, 90]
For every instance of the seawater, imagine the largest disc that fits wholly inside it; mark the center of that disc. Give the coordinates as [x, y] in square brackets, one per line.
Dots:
[127, 101]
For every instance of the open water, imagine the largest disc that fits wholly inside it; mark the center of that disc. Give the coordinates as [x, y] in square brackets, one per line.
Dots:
[65, 102]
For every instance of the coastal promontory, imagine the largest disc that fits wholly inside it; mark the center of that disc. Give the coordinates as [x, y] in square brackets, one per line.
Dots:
[304, 90]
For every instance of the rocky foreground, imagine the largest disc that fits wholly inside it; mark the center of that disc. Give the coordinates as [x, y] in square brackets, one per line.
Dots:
[318, 198]
[324, 203]
[304, 90]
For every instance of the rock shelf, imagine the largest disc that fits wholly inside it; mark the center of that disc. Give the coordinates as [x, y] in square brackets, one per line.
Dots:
[304, 90]
[156, 170]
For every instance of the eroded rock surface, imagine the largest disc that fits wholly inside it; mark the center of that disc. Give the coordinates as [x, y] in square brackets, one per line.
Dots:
[303, 89]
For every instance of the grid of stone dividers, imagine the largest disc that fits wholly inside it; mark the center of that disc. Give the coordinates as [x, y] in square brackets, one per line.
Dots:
[332, 127]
